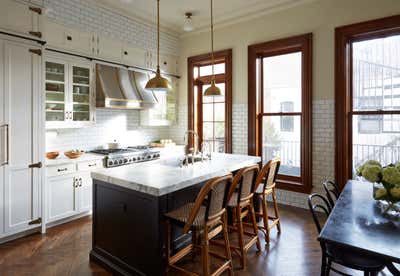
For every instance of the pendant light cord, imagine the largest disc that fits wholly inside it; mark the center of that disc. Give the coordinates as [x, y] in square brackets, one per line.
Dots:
[158, 34]
[212, 41]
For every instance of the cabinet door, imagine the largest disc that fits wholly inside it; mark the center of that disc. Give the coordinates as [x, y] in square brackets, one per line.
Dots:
[82, 92]
[78, 41]
[56, 86]
[133, 56]
[3, 156]
[22, 184]
[168, 64]
[85, 193]
[61, 197]
[17, 17]
[109, 49]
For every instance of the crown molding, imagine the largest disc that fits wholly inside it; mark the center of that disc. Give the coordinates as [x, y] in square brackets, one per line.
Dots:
[246, 17]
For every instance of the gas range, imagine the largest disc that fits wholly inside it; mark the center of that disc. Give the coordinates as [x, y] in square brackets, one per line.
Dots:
[126, 156]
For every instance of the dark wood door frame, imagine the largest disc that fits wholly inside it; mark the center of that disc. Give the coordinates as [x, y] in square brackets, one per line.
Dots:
[344, 37]
[300, 43]
[202, 60]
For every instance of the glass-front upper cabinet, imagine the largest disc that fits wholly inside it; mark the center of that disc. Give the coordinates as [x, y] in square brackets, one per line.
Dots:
[69, 85]
[55, 84]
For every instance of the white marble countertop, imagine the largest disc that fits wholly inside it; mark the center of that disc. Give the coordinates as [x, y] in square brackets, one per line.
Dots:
[160, 177]
[62, 159]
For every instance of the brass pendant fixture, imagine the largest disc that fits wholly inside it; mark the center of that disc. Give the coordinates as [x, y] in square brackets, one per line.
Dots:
[158, 83]
[213, 90]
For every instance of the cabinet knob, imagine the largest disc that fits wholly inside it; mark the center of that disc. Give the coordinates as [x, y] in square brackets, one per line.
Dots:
[69, 37]
[125, 53]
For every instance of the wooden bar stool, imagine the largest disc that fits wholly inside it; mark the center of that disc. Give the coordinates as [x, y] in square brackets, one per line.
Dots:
[207, 215]
[241, 204]
[267, 178]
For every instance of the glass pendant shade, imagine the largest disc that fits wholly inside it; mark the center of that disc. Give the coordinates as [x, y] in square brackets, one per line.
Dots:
[158, 83]
[213, 90]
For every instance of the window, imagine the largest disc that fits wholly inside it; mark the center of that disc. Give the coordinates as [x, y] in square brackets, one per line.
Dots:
[211, 117]
[367, 73]
[280, 108]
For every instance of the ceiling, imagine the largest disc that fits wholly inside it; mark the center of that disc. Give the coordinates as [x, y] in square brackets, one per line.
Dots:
[172, 11]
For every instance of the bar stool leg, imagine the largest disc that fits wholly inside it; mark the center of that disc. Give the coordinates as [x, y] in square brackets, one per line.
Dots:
[276, 210]
[205, 254]
[226, 240]
[167, 244]
[240, 234]
[194, 242]
[254, 222]
[265, 218]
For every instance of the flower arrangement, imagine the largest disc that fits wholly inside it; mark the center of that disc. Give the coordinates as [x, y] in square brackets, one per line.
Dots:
[387, 179]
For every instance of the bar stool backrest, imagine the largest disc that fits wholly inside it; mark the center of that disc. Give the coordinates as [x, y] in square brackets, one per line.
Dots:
[244, 182]
[214, 196]
[268, 174]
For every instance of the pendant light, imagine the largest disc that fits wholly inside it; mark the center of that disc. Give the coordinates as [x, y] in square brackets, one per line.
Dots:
[158, 83]
[213, 90]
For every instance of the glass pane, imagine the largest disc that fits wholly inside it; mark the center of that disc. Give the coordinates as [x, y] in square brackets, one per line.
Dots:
[81, 93]
[207, 70]
[219, 111]
[283, 143]
[208, 112]
[80, 75]
[55, 91]
[219, 130]
[219, 145]
[215, 99]
[208, 132]
[376, 74]
[376, 137]
[282, 83]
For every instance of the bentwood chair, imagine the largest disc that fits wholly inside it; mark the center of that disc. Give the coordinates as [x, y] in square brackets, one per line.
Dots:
[265, 186]
[207, 216]
[332, 191]
[241, 204]
[320, 208]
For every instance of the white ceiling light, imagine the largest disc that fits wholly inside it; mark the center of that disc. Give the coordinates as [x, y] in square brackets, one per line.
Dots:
[188, 23]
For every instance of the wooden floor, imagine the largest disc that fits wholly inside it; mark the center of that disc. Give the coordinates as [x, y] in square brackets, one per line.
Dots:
[64, 250]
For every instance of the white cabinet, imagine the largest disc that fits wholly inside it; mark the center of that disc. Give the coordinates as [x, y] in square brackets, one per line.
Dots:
[108, 49]
[59, 37]
[70, 93]
[169, 64]
[61, 191]
[19, 18]
[20, 143]
[69, 189]
[134, 56]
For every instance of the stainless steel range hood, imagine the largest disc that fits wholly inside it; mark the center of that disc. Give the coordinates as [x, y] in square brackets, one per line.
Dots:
[120, 88]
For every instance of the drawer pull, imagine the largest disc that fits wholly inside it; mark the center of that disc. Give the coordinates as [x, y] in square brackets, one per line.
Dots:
[92, 165]
[62, 170]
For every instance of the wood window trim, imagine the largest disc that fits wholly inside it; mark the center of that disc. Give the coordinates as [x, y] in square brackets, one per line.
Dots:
[344, 36]
[301, 43]
[202, 60]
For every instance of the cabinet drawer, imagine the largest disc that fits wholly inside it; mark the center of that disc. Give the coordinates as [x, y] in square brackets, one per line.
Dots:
[61, 169]
[90, 165]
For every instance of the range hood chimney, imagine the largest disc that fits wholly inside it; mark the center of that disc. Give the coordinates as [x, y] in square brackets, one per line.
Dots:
[120, 88]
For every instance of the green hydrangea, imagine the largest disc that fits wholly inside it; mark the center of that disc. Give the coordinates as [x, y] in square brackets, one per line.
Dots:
[395, 192]
[360, 169]
[380, 193]
[398, 167]
[372, 173]
[391, 175]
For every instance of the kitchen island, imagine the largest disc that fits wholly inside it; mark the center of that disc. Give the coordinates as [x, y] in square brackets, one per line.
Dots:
[129, 203]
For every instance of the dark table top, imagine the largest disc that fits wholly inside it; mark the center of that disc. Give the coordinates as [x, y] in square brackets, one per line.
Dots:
[356, 221]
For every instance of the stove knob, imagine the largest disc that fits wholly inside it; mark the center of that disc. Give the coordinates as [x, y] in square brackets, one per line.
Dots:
[125, 160]
[120, 162]
[130, 160]
[139, 158]
[116, 162]
[110, 163]
[148, 156]
[133, 159]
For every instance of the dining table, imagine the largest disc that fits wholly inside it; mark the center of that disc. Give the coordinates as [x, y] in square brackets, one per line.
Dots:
[358, 223]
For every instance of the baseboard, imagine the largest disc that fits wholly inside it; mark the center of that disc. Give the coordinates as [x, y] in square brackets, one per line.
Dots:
[69, 219]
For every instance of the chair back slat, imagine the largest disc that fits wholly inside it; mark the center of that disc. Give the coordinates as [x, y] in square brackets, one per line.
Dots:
[318, 203]
[268, 174]
[213, 195]
[332, 191]
[244, 182]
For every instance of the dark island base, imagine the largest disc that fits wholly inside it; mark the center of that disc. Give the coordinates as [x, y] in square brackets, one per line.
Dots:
[128, 229]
